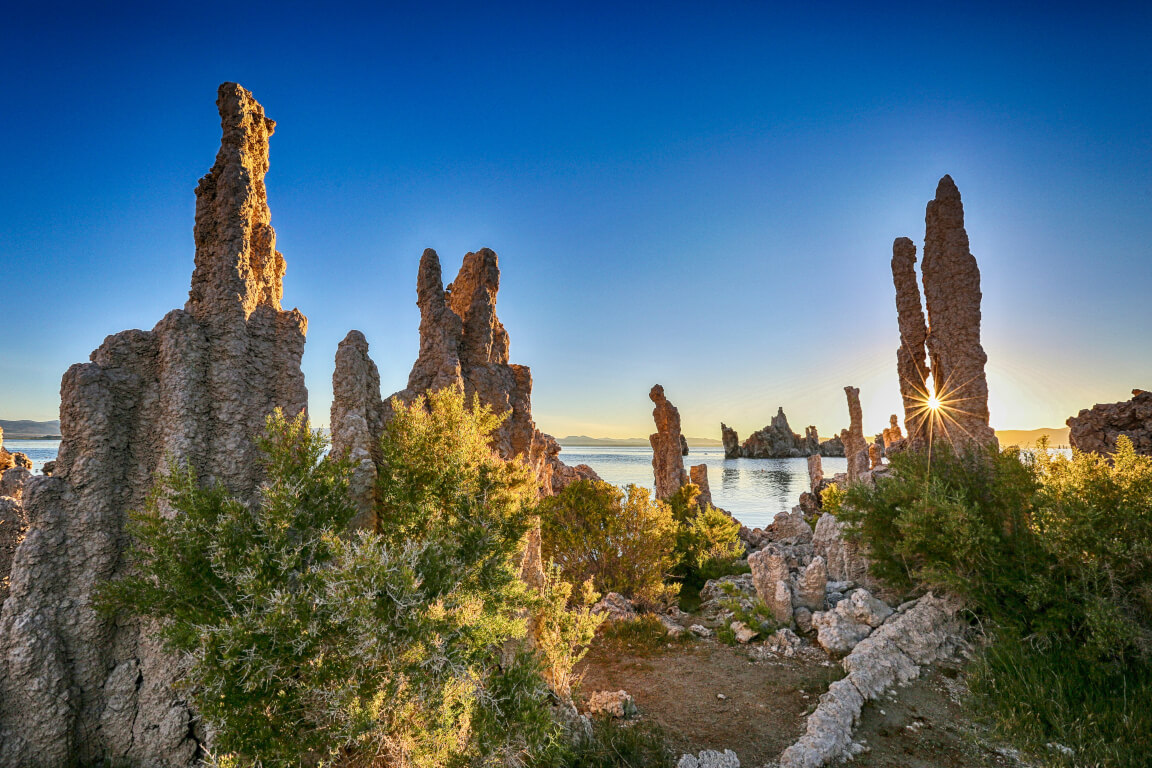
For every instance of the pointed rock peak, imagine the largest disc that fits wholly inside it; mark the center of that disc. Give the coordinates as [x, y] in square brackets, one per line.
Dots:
[429, 280]
[472, 296]
[237, 265]
[947, 188]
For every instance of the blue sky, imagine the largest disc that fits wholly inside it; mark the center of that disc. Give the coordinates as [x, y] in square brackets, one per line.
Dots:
[700, 195]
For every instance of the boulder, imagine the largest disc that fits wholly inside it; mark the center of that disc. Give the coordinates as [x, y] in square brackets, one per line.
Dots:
[710, 758]
[811, 586]
[617, 704]
[744, 633]
[616, 606]
[698, 474]
[845, 560]
[13, 526]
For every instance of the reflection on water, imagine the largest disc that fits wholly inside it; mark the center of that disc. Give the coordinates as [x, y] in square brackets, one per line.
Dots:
[753, 490]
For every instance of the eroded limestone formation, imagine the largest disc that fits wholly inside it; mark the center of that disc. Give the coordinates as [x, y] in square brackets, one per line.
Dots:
[698, 474]
[892, 437]
[1096, 429]
[731, 441]
[778, 441]
[951, 334]
[463, 344]
[855, 446]
[667, 460]
[75, 686]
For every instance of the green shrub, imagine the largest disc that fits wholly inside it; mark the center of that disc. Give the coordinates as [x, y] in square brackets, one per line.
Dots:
[623, 541]
[708, 542]
[304, 641]
[564, 628]
[641, 635]
[1056, 555]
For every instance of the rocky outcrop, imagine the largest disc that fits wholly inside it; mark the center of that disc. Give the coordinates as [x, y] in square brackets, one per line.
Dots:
[731, 441]
[698, 474]
[917, 634]
[951, 335]
[463, 344]
[775, 441]
[778, 441]
[710, 758]
[770, 575]
[855, 446]
[667, 461]
[875, 455]
[1096, 429]
[75, 686]
[832, 447]
[845, 559]
[815, 473]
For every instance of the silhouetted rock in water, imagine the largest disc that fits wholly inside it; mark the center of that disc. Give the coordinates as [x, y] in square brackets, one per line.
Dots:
[75, 686]
[951, 334]
[775, 441]
[833, 447]
[667, 461]
[778, 441]
[855, 447]
[463, 344]
[1096, 429]
[683, 445]
[731, 441]
[698, 474]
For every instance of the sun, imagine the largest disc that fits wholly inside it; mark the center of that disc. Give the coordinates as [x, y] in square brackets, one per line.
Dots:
[933, 402]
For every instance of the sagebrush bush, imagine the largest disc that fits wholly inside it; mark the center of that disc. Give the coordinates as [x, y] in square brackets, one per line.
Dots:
[624, 541]
[563, 629]
[1055, 555]
[306, 642]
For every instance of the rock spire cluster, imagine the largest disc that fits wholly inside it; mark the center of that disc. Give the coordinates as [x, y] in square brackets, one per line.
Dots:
[950, 336]
[75, 686]
[463, 344]
[778, 441]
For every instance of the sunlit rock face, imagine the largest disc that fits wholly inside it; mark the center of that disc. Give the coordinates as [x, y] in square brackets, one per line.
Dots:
[667, 459]
[1096, 429]
[463, 344]
[855, 446]
[951, 334]
[731, 441]
[76, 687]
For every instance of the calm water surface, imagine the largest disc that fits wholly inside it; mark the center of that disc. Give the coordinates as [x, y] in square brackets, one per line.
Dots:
[39, 451]
[753, 490]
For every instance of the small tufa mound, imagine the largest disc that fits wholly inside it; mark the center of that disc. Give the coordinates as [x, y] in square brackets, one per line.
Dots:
[1096, 429]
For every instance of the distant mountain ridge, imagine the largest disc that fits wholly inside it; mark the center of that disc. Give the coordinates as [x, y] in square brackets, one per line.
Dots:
[1026, 438]
[23, 429]
[583, 441]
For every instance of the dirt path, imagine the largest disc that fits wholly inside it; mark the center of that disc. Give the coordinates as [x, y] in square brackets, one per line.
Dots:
[765, 701]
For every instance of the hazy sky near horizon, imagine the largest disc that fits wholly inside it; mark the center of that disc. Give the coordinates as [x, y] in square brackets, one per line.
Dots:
[700, 195]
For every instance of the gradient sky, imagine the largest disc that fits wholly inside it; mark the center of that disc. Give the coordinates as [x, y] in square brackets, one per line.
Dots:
[701, 195]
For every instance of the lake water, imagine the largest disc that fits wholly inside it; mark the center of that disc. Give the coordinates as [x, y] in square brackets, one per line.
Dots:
[39, 451]
[753, 490]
